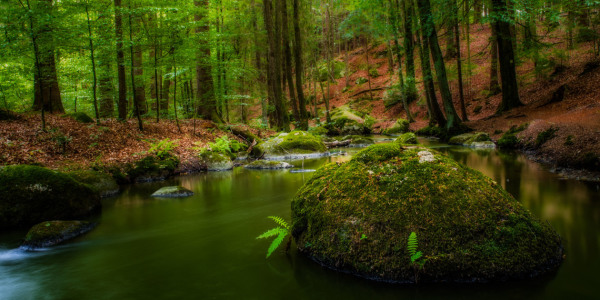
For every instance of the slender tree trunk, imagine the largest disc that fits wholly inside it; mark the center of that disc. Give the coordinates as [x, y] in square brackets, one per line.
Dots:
[287, 51]
[299, 67]
[105, 84]
[134, 90]
[494, 83]
[452, 119]
[368, 67]
[394, 12]
[428, 84]
[409, 48]
[204, 81]
[122, 101]
[461, 93]
[93, 60]
[46, 90]
[510, 89]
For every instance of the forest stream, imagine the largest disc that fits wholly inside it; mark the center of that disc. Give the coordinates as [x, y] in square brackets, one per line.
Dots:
[204, 246]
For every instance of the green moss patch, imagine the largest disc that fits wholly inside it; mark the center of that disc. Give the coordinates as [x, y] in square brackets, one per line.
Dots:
[153, 168]
[102, 183]
[268, 165]
[346, 121]
[172, 192]
[32, 194]
[295, 142]
[51, 233]
[401, 126]
[79, 117]
[473, 139]
[215, 161]
[408, 138]
[356, 217]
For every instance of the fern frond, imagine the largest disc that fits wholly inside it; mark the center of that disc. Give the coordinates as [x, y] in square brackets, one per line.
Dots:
[416, 256]
[276, 242]
[413, 244]
[271, 232]
[279, 221]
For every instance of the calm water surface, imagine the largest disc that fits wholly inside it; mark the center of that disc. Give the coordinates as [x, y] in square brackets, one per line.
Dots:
[204, 247]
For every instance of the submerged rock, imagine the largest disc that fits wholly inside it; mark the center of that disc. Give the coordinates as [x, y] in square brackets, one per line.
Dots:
[268, 165]
[31, 194]
[51, 233]
[215, 161]
[408, 138]
[293, 144]
[102, 183]
[172, 192]
[473, 140]
[356, 217]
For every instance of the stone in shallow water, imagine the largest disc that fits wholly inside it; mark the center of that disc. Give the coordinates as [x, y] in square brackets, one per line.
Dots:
[356, 217]
[51, 233]
[268, 165]
[172, 192]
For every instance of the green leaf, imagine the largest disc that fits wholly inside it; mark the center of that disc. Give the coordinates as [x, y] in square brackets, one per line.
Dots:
[276, 242]
[280, 222]
[269, 233]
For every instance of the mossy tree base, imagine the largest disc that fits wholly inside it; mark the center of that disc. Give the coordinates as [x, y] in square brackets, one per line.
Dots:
[356, 217]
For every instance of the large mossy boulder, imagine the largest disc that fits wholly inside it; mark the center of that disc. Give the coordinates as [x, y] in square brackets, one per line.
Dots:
[154, 168]
[31, 194]
[289, 144]
[356, 217]
[104, 184]
[215, 160]
[473, 140]
[51, 233]
[346, 121]
[401, 126]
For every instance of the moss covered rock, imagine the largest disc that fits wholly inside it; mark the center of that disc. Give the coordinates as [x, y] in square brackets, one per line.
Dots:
[473, 140]
[268, 165]
[79, 117]
[401, 126]
[104, 184]
[408, 138]
[51, 233]
[358, 140]
[356, 217]
[31, 194]
[172, 192]
[346, 121]
[215, 161]
[154, 168]
[289, 144]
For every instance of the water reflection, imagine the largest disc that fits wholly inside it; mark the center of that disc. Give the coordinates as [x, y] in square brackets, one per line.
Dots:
[204, 246]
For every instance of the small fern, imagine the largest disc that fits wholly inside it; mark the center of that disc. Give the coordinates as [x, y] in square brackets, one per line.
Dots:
[413, 244]
[280, 233]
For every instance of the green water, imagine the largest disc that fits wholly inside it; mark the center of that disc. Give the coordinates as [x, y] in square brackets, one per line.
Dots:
[203, 247]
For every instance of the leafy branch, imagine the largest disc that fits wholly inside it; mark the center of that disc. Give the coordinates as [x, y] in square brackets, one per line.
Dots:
[280, 233]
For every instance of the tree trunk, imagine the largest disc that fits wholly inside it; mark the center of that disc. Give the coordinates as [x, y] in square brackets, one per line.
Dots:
[204, 82]
[394, 12]
[46, 90]
[452, 119]
[122, 101]
[93, 61]
[461, 93]
[409, 48]
[136, 104]
[510, 89]
[494, 84]
[288, 60]
[299, 68]
[105, 83]
[434, 108]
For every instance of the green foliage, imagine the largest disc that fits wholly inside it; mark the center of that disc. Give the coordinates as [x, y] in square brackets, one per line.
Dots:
[80, 117]
[280, 233]
[508, 141]
[569, 141]
[226, 146]
[61, 139]
[361, 80]
[163, 148]
[412, 246]
[545, 136]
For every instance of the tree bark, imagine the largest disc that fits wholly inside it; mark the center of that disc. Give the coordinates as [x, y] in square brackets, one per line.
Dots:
[452, 119]
[288, 60]
[204, 82]
[46, 89]
[508, 74]
[122, 90]
[409, 48]
[299, 68]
